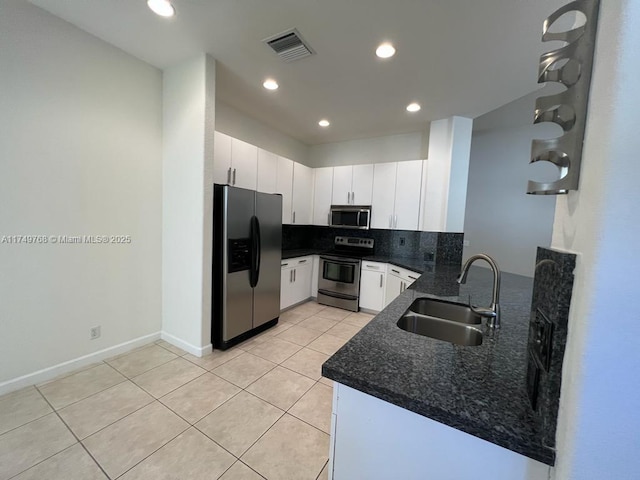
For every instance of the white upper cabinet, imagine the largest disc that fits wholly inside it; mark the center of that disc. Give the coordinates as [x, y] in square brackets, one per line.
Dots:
[362, 185]
[235, 162]
[384, 194]
[407, 201]
[342, 185]
[352, 185]
[284, 186]
[322, 191]
[301, 204]
[267, 172]
[244, 164]
[221, 158]
[396, 195]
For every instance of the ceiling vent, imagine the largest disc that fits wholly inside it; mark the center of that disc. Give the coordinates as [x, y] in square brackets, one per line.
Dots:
[289, 45]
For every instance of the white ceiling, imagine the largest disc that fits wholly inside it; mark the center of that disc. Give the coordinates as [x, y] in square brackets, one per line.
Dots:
[455, 57]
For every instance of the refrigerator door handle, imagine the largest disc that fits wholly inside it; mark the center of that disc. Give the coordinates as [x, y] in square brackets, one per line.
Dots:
[255, 252]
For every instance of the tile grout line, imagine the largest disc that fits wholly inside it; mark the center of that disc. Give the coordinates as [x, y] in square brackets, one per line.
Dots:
[74, 436]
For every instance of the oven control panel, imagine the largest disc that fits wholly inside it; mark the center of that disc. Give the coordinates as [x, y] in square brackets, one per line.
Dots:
[354, 242]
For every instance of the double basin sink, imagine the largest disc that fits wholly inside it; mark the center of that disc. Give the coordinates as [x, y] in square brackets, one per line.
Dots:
[442, 320]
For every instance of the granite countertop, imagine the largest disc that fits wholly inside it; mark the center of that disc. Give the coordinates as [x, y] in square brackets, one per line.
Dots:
[479, 390]
[298, 252]
[411, 263]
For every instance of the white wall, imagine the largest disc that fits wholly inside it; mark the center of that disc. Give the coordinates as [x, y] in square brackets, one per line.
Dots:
[80, 154]
[233, 122]
[189, 122]
[392, 148]
[501, 219]
[599, 424]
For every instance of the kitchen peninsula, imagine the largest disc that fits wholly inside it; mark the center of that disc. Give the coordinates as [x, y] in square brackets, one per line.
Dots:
[408, 406]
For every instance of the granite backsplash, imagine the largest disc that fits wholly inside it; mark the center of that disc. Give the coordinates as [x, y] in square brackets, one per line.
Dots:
[551, 299]
[442, 248]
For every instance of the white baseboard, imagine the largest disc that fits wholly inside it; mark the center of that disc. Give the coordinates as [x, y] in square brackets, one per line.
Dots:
[187, 347]
[50, 373]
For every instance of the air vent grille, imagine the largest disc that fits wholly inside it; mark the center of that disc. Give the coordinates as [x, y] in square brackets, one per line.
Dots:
[289, 45]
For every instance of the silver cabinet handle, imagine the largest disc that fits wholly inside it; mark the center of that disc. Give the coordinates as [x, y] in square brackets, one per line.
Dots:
[412, 278]
[294, 275]
[229, 176]
[373, 267]
[234, 176]
[395, 271]
[294, 217]
[304, 261]
[284, 264]
[380, 280]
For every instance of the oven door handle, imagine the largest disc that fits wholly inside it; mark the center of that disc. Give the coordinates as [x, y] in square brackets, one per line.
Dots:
[340, 260]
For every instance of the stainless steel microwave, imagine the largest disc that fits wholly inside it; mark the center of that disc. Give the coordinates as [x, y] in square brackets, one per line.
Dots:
[350, 216]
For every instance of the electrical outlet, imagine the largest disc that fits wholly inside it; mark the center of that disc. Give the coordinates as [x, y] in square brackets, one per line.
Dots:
[402, 241]
[94, 332]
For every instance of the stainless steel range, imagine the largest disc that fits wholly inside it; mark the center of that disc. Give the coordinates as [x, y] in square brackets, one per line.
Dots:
[339, 273]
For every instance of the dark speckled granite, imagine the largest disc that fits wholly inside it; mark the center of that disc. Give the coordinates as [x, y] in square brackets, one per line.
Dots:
[298, 252]
[479, 390]
[429, 248]
[552, 288]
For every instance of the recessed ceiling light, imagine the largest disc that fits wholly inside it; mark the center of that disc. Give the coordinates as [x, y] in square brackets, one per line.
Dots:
[270, 84]
[385, 50]
[161, 7]
[413, 107]
[324, 123]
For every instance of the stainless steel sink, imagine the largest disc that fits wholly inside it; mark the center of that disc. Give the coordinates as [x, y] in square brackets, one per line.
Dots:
[440, 329]
[456, 312]
[447, 321]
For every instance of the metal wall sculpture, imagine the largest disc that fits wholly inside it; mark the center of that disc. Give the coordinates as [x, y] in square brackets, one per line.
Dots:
[570, 66]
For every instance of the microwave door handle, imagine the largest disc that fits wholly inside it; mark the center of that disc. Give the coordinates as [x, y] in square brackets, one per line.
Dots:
[358, 219]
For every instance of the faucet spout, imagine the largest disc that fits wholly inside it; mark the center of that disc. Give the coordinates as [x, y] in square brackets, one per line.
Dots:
[493, 314]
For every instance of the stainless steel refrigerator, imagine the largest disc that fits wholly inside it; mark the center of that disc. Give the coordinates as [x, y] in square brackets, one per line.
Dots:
[247, 250]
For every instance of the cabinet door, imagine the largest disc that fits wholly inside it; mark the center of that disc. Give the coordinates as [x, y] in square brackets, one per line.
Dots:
[322, 190]
[284, 186]
[372, 290]
[301, 204]
[302, 281]
[384, 194]
[286, 286]
[362, 185]
[393, 288]
[407, 202]
[342, 185]
[267, 171]
[221, 158]
[244, 164]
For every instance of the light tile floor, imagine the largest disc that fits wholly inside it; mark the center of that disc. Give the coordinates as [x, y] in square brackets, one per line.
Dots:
[260, 410]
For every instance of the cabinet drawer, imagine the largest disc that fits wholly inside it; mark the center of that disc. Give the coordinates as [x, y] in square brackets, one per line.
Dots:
[405, 274]
[374, 266]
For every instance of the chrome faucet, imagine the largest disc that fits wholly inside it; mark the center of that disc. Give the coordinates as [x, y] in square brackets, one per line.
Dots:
[492, 314]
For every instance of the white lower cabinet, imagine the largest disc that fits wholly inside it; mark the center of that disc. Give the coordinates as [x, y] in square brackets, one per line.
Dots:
[398, 279]
[413, 447]
[295, 281]
[372, 285]
[314, 276]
